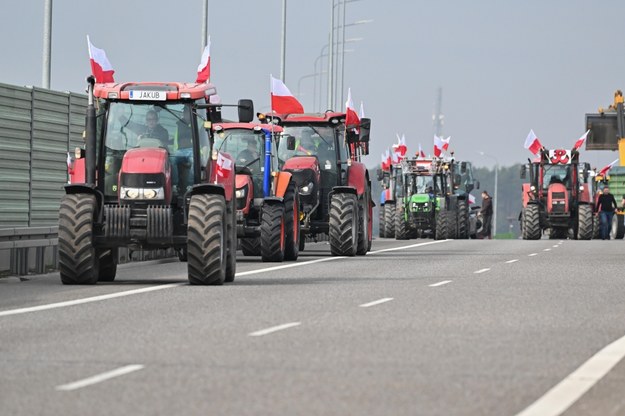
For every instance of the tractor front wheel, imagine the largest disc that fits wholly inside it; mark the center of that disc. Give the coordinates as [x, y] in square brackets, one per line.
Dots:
[343, 224]
[442, 225]
[401, 231]
[272, 232]
[389, 219]
[250, 246]
[382, 225]
[107, 264]
[291, 214]
[618, 227]
[531, 222]
[584, 222]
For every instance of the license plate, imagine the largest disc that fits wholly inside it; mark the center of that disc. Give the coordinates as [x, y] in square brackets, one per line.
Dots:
[148, 95]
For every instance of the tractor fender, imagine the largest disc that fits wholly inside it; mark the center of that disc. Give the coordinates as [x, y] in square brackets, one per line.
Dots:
[280, 183]
[272, 200]
[343, 190]
[83, 188]
[208, 189]
[357, 177]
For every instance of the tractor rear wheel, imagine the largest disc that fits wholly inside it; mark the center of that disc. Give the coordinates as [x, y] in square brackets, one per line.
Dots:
[382, 225]
[584, 222]
[364, 238]
[531, 222]
[389, 218]
[291, 213]
[463, 220]
[401, 225]
[596, 227]
[78, 260]
[441, 231]
[250, 246]
[107, 264]
[343, 224]
[207, 240]
[618, 227]
[272, 232]
[231, 255]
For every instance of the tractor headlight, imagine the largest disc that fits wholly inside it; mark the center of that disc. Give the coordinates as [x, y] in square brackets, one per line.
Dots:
[152, 193]
[130, 193]
[141, 193]
[240, 193]
[581, 187]
[306, 189]
[532, 188]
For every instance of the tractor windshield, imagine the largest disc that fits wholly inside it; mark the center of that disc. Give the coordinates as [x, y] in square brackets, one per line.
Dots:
[167, 126]
[556, 174]
[420, 184]
[311, 140]
[245, 146]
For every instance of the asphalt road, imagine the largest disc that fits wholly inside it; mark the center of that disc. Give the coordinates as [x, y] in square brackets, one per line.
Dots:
[414, 328]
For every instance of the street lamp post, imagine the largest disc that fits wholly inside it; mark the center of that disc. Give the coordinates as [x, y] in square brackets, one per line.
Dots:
[495, 192]
[359, 22]
[47, 44]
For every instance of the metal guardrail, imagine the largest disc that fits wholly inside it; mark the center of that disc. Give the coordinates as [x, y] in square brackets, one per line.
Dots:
[20, 241]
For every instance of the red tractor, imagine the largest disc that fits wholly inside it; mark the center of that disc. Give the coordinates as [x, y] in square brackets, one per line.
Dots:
[267, 200]
[557, 197]
[323, 155]
[149, 177]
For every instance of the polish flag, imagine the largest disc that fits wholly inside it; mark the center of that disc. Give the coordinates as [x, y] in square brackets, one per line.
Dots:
[532, 143]
[606, 169]
[421, 153]
[395, 158]
[580, 142]
[383, 162]
[101, 68]
[351, 118]
[204, 68]
[471, 199]
[446, 143]
[438, 146]
[389, 159]
[402, 146]
[69, 164]
[282, 101]
[224, 166]
[362, 110]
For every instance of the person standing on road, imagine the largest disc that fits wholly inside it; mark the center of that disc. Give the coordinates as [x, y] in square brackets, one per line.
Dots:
[606, 205]
[487, 215]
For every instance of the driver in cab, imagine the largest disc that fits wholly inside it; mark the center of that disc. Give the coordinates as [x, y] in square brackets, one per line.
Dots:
[249, 154]
[151, 129]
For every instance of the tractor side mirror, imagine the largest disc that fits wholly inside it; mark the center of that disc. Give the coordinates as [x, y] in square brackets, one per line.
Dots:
[290, 142]
[586, 172]
[463, 167]
[365, 129]
[380, 174]
[477, 184]
[523, 171]
[246, 110]
[352, 137]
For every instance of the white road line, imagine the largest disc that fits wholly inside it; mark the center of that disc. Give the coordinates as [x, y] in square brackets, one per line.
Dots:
[444, 282]
[170, 285]
[376, 302]
[512, 261]
[547, 249]
[556, 246]
[481, 271]
[273, 329]
[88, 300]
[99, 378]
[533, 254]
[569, 390]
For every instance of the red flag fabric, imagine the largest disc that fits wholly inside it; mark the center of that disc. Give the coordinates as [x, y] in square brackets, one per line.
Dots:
[580, 142]
[606, 169]
[438, 146]
[101, 67]
[471, 199]
[446, 143]
[421, 153]
[401, 146]
[204, 68]
[282, 101]
[351, 118]
[224, 166]
[532, 143]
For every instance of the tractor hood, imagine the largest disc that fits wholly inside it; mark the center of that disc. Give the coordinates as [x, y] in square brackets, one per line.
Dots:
[421, 198]
[145, 160]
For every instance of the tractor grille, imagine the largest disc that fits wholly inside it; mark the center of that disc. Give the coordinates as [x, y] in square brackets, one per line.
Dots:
[558, 195]
[159, 224]
[117, 221]
[558, 208]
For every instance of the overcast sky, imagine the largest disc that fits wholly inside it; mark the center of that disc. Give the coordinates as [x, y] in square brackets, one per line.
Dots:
[505, 66]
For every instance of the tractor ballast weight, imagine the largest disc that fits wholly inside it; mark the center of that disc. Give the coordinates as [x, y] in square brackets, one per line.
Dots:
[557, 197]
[150, 186]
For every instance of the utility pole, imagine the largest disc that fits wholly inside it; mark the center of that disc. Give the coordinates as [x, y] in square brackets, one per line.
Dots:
[283, 47]
[331, 61]
[47, 44]
[204, 25]
[438, 116]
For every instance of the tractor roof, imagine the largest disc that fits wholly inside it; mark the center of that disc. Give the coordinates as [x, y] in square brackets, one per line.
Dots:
[173, 90]
[246, 126]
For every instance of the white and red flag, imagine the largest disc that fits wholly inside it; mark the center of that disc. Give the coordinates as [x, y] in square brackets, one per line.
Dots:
[532, 143]
[471, 199]
[351, 118]
[446, 143]
[438, 146]
[282, 101]
[401, 145]
[204, 68]
[606, 169]
[580, 142]
[362, 110]
[421, 153]
[224, 166]
[101, 67]
[395, 158]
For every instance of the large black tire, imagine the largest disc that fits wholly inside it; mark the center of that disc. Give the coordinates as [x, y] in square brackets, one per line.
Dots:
[531, 222]
[382, 225]
[272, 232]
[107, 263]
[302, 243]
[596, 227]
[617, 231]
[441, 231]
[207, 240]
[463, 220]
[231, 255]
[250, 246]
[343, 231]
[364, 239]
[292, 225]
[401, 231]
[584, 222]
[390, 214]
[78, 261]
